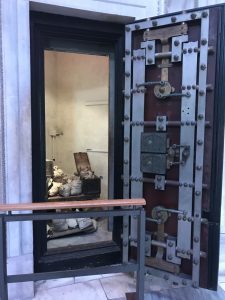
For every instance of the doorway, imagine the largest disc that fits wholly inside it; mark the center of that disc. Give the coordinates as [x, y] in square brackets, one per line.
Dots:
[76, 128]
[77, 110]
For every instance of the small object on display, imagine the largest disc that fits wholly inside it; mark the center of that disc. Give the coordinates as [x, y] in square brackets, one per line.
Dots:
[54, 190]
[91, 184]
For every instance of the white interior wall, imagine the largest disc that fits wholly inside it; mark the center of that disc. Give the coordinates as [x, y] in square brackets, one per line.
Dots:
[76, 91]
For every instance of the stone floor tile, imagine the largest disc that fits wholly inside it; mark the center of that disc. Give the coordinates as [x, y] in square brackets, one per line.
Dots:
[118, 286]
[48, 284]
[111, 274]
[222, 285]
[87, 278]
[90, 290]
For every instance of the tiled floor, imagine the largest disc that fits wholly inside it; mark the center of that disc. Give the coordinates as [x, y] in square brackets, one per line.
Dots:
[114, 287]
[97, 287]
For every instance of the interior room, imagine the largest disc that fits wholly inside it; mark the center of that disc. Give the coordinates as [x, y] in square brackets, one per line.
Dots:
[76, 129]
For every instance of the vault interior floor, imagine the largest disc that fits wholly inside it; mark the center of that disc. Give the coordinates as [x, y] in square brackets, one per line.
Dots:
[102, 234]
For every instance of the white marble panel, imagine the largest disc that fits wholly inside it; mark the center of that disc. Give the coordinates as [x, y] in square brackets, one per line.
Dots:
[21, 264]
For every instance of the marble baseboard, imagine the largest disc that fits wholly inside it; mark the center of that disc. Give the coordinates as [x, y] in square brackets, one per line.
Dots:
[20, 264]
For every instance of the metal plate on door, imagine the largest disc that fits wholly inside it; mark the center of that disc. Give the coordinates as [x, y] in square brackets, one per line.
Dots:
[153, 163]
[154, 142]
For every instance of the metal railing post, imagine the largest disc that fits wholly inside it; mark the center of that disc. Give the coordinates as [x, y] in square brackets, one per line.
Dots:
[3, 260]
[141, 255]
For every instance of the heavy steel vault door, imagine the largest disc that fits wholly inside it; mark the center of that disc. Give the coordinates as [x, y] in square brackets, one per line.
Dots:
[173, 141]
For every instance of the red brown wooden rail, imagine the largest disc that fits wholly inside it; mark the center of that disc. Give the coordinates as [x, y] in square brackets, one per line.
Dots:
[72, 204]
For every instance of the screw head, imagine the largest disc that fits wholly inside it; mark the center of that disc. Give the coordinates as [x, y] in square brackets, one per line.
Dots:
[176, 43]
[204, 42]
[200, 116]
[190, 50]
[154, 23]
[200, 142]
[127, 96]
[188, 87]
[203, 67]
[125, 161]
[150, 47]
[175, 57]
[137, 26]
[127, 74]
[197, 193]
[126, 139]
[198, 168]
[185, 51]
[201, 93]
[170, 257]
[173, 19]
[188, 94]
[150, 61]
[127, 28]
[196, 239]
[193, 16]
[126, 117]
[204, 14]
[127, 51]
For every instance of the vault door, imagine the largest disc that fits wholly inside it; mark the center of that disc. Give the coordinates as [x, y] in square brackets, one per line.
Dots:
[172, 117]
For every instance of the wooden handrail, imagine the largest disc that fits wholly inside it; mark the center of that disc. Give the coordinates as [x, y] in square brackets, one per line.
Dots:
[71, 204]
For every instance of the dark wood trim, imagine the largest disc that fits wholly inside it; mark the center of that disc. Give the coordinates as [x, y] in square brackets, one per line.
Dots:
[47, 31]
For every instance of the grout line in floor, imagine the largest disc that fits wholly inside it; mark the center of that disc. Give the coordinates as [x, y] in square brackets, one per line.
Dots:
[103, 288]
